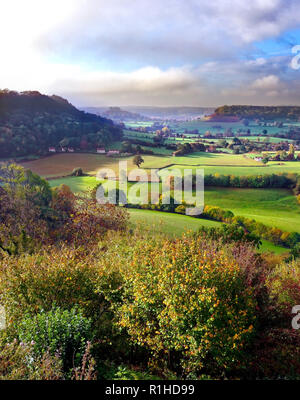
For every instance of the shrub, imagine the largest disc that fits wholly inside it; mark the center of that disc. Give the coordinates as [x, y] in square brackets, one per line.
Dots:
[230, 233]
[63, 201]
[17, 362]
[29, 209]
[91, 221]
[276, 353]
[85, 371]
[190, 307]
[63, 332]
[125, 373]
[180, 209]
[77, 172]
[217, 213]
[31, 283]
[284, 285]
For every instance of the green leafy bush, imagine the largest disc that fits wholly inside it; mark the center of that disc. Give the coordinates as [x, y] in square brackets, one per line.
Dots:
[230, 233]
[63, 332]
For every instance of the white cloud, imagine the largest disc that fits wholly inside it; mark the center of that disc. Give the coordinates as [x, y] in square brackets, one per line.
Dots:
[270, 82]
[168, 30]
[94, 87]
[140, 52]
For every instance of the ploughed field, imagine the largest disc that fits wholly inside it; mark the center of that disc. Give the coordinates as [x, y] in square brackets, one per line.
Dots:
[228, 164]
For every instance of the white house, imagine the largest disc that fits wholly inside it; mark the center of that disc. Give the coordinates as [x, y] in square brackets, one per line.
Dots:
[52, 150]
[111, 152]
[70, 150]
[101, 151]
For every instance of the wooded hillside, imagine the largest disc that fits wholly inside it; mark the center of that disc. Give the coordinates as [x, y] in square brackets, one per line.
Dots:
[31, 122]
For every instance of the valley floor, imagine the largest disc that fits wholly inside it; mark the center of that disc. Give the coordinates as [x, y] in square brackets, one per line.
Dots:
[273, 207]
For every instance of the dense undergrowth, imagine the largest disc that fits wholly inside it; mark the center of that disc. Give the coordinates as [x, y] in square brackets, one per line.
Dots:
[87, 298]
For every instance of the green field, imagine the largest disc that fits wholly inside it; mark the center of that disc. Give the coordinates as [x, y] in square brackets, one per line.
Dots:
[263, 138]
[171, 224]
[175, 225]
[273, 207]
[216, 127]
[135, 124]
[292, 167]
[76, 183]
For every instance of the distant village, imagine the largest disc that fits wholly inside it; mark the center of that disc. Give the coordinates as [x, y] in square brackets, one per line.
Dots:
[239, 142]
[72, 150]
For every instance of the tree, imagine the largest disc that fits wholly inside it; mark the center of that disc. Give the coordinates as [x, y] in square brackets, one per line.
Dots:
[126, 147]
[138, 149]
[77, 172]
[291, 153]
[138, 160]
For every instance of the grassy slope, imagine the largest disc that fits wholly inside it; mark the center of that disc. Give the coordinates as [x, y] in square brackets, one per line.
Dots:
[240, 201]
[273, 207]
[175, 225]
[171, 224]
[76, 183]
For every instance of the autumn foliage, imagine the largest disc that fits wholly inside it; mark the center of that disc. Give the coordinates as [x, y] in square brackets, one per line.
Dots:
[203, 305]
[187, 303]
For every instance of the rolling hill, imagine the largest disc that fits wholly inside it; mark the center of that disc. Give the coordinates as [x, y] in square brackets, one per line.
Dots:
[30, 122]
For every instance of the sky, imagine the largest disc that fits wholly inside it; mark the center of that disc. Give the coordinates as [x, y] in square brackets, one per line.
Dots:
[153, 52]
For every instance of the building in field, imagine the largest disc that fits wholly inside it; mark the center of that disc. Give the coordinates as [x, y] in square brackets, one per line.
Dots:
[113, 152]
[52, 150]
[101, 151]
[70, 149]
